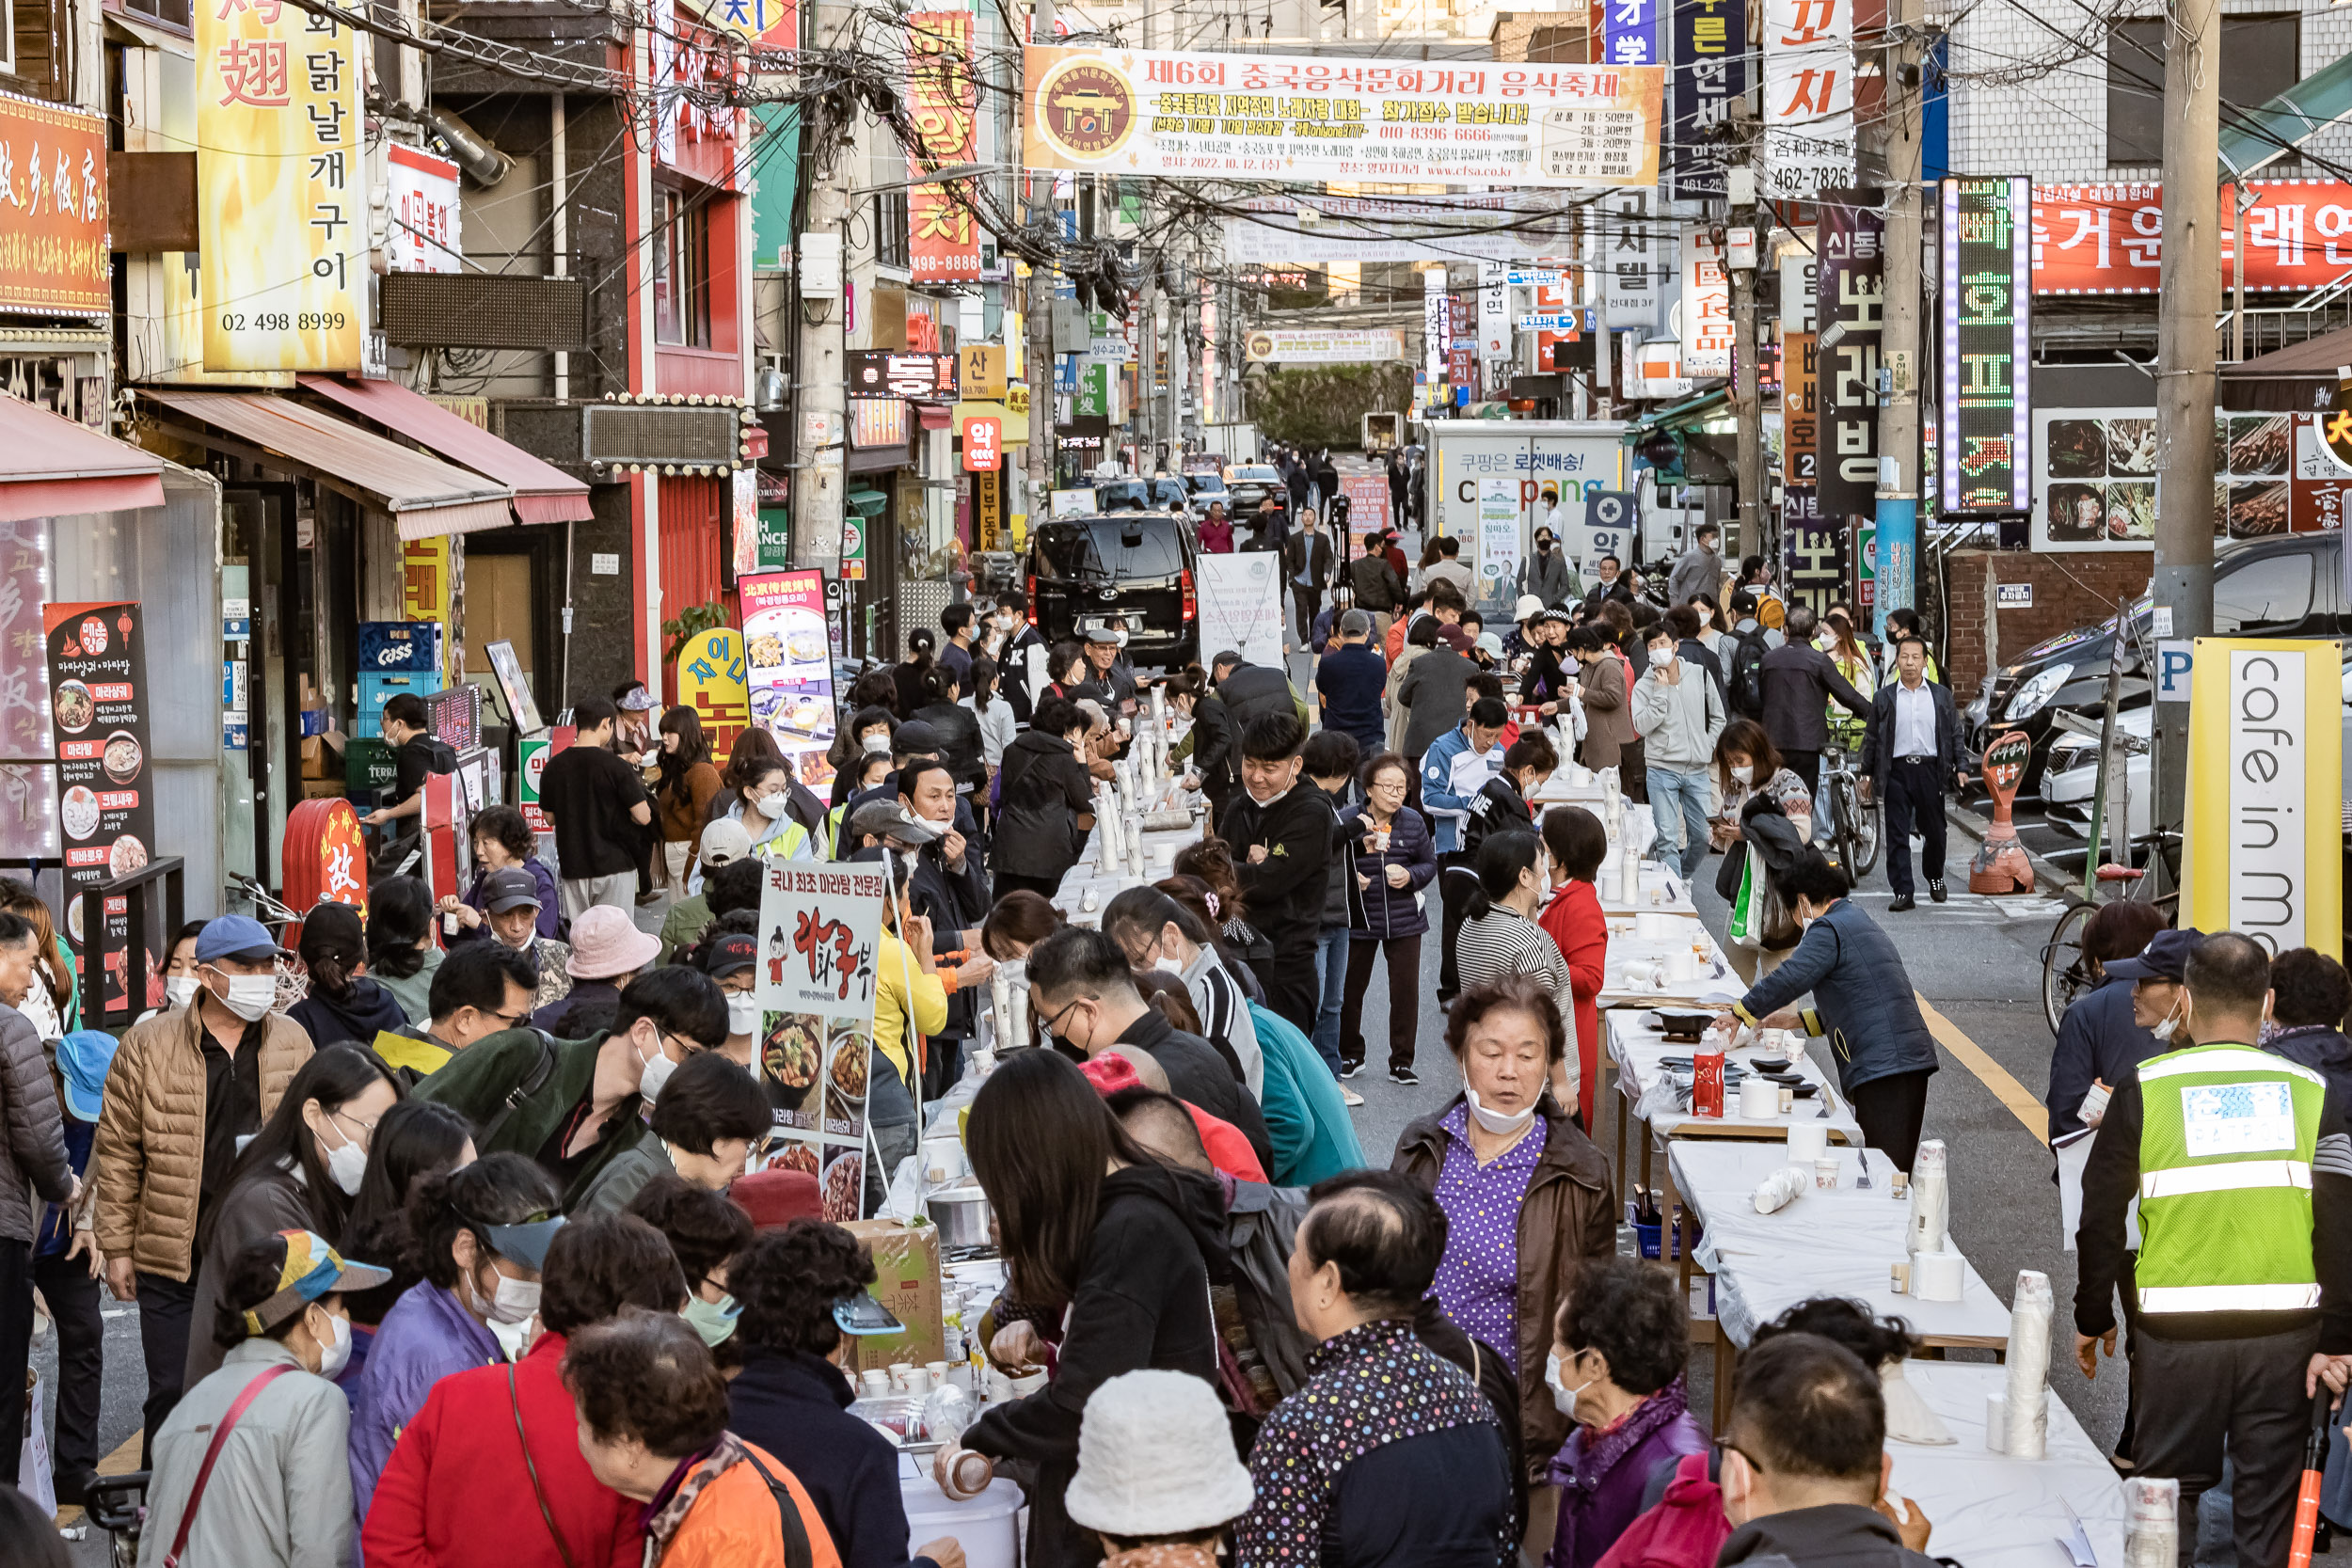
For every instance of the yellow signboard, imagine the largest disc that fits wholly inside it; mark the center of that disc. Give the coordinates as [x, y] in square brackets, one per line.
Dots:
[982, 371]
[711, 681]
[281, 160]
[2264, 849]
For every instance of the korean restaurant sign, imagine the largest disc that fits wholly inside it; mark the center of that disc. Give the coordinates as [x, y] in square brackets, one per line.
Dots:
[1808, 96]
[52, 210]
[2110, 239]
[281, 162]
[1204, 115]
[943, 238]
[422, 234]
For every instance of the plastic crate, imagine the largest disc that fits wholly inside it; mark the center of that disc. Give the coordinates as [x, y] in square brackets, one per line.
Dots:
[399, 648]
[368, 765]
[375, 690]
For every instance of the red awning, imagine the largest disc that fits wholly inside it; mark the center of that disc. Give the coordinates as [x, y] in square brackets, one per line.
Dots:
[934, 416]
[543, 493]
[58, 469]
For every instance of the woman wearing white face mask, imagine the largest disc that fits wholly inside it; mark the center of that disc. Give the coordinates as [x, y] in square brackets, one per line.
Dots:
[1159, 933]
[278, 1493]
[764, 811]
[298, 1173]
[1747, 767]
[181, 980]
[482, 1233]
[1501, 936]
[1615, 1370]
[1527, 1196]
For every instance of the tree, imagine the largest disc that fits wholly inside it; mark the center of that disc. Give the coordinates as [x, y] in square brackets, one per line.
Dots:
[1324, 406]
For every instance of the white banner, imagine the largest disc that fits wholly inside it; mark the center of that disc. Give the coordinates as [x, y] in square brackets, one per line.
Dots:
[1706, 304]
[1808, 98]
[1289, 347]
[1494, 310]
[421, 199]
[1241, 606]
[1433, 324]
[1634, 260]
[1317, 229]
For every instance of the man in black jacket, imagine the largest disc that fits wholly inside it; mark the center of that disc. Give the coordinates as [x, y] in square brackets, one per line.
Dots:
[1798, 680]
[1280, 829]
[1379, 589]
[1307, 570]
[949, 886]
[1912, 748]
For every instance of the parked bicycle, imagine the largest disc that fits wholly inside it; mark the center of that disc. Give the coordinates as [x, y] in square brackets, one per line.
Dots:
[1855, 824]
[2065, 972]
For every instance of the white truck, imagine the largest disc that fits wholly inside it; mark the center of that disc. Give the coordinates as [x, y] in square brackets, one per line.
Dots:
[1234, 443]
[1488, 483]
[1383, 432]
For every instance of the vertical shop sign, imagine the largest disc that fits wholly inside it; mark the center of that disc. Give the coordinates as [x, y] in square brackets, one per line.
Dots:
[1632, 265]
[530, 765]
[1799, 407]
[425, 588]
[1813, 545]
[1808, 98]
[711, 681]
[787, 668]
[422, 213]
[819, 948]
[1850, 308]
[1494, 310]
[1706, 304]
[106, 806]
[944, 240]
[28, 785]
[1630, 32]
[1710, 72]
[1987, 302]
[281, 162]
[988, 508]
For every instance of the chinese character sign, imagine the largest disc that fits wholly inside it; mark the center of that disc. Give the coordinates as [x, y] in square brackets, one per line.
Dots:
[280, 160]
[820, 948]
[711, 681]
[1850, 309]
[943, 238]
[1711, 71]
[1987, 302]
[52, 210]
[1630, 32]
[1707, 335]
[1808, 96]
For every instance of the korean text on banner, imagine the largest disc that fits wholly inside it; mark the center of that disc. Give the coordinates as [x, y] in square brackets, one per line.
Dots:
[1707, 333]
[421, 227]
[53, 254]
[1988, 303]
[1287, 346]
[1241, 606]
[1852, 313]
[2110, 239]
[1632, 261]
[1808, 96]
[819, 953]
[711, 681]
[1207, 115]
[279, 155]
[1711, 71]
[2265, 840]
[787, 669]
[97, 706]
[944, 240]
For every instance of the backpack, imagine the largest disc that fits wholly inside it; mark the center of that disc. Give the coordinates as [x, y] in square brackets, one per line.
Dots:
[1747, 673]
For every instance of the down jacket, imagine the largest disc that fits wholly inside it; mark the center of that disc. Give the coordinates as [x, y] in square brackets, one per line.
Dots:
[1381, 911]
[150, 1149]
[427, 1337]
[34, 1153]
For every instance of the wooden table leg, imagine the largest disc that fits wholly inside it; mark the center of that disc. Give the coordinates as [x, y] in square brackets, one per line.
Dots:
[1724, 1361]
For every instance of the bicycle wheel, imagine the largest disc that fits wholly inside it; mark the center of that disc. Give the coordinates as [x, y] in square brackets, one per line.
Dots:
[1869, 823]
[2065, 972]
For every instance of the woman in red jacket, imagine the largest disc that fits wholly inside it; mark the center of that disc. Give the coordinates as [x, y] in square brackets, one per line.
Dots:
[1578, 844]
[459, 1462]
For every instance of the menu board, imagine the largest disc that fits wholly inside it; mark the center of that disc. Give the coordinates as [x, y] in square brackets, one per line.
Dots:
[820, 933]
[787, 669]
[106, 807]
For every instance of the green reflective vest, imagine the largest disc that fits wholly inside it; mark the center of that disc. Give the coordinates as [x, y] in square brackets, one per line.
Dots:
[2225, 1181]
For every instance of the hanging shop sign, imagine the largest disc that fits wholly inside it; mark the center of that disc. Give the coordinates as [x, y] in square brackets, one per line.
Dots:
[942, 92]
[2265, 840]
[983, 445]
[1629, 34]
[1494, 310]
[872, 375]
[1285, 346]
[878, 421]
[787, 668]
[1710, 72]
[1808, 98]
[1799, 408]
[1632, 260]
[1988, 303]
[980, 369]
[1213, 116]
[819, 940]
[422, 217]
[98, 708]
[1707, 333]
[280, 160]
[1850, 308]
[53, 225]
[1813, 550]
[711, 681]
[2110, 239]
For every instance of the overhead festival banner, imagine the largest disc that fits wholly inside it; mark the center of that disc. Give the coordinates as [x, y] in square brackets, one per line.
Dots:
[1808, 96]
[1204, 115]
[943, 239]
[1289, 347]
[2110, 239]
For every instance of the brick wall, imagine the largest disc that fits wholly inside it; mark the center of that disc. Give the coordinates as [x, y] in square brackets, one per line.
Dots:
[2069, 591]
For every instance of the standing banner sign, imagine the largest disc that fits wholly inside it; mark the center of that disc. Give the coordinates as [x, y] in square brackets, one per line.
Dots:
[1241, 605]
[787, 669]
[2265, 844]
[1497, 538]
[1851, 311]
[98, 704]
[711, 681]
[820, 942]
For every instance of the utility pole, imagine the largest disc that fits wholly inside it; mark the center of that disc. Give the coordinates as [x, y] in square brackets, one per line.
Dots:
[1747, 401]
[2189, 292]
[1899, 410]
[821, 398]
[1041, 318]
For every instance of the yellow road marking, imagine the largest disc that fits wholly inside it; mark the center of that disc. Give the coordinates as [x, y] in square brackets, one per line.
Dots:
[2005, 1088]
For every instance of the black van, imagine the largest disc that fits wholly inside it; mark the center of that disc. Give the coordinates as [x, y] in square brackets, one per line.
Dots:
[1138, 567]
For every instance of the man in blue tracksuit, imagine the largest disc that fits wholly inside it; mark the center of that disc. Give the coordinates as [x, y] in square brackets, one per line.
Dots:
[1455, 768]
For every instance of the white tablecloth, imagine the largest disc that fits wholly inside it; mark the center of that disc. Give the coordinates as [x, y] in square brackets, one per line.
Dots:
[1637, 1047]
[1836, 1243]
[1989, 1511]
[1662, 892]
[1712, 976]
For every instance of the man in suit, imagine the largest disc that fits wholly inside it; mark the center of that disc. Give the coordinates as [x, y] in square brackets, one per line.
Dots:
[1911, 749]
[1307, 568]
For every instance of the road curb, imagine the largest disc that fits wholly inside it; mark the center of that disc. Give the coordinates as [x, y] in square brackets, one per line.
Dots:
[2048, 879]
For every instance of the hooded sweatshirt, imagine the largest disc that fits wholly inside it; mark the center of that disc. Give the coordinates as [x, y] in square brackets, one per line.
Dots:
[361, 1013]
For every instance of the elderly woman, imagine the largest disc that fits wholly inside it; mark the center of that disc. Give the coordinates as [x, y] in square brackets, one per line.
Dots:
[1527, 1196]
[1617, 1356]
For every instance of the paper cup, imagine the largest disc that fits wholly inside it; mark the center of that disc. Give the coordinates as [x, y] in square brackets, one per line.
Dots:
[1825, 1172]
[875, 1383]
[1760, 1099]
[918, 1380]
[1808, 1142]
[1659, 927]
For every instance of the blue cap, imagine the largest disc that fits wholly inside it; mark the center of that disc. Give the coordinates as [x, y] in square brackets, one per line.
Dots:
[2165, 957]
[235, 936]
[83, 1058]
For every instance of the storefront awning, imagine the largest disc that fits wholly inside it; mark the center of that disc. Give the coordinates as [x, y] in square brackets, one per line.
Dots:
[56, 468]
[543, 493]
[1679, 415]
[2294, 379]
[427, 498]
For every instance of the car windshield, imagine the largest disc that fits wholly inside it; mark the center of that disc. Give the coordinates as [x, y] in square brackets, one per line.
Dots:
[1254, 476]
[1206, 484]
[1126, 494]
[1095, 549]
[1167, 492]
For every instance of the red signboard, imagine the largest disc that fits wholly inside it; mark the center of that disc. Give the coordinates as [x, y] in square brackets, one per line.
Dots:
[944, 241]
[983, 444]
[54, 248]
[2110, 239]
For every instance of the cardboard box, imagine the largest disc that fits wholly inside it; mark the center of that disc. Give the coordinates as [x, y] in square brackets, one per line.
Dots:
[324, 789]
[314, 758]
[906, 1280]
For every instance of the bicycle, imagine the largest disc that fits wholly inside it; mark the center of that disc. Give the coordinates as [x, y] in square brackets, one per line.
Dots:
[1854, 825]
[2066, 974]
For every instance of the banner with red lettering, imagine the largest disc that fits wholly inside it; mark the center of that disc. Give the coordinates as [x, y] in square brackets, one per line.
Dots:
[944, 241]
[2110, 239]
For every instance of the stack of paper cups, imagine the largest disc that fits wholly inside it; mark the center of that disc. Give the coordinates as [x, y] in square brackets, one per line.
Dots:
[1760, 1099]
[1938, 1275]
[1000, 1010]
[1106, 828]
[2152, 1522]
[2028, 1367]
[1019, 1019]
[1135, 848]
[1778, 1190]
[1930, 1200]
[1808, 1142]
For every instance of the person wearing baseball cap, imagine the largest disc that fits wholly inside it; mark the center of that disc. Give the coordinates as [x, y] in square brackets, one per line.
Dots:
[2156, 973]
[608, 951]
[187, 1087]
[1349, 680]
[732, 958]
[280, 1491]
[724, 841]
[513, 901]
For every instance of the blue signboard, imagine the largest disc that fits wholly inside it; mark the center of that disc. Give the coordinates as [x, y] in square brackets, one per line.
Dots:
[1630, 32]
[1710, 72]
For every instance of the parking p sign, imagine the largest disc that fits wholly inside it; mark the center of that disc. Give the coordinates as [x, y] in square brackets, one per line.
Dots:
[2176, 656]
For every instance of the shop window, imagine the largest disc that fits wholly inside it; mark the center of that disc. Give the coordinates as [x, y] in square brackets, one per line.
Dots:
[2261, 56]
[890, 229]
[681, 270]
[176, 13]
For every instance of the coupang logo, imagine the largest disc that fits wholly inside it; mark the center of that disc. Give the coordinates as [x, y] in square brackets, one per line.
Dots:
[1087, 109]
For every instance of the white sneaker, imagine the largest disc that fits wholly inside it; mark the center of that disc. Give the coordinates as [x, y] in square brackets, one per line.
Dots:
[1350, 1096]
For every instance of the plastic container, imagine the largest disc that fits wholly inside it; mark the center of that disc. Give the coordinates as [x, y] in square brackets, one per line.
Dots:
[988, 1527]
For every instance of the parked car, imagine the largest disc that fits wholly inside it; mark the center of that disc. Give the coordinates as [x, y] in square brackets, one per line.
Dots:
[2288, 586]
[1086, 571]
[1251, 483]
[1206, 489]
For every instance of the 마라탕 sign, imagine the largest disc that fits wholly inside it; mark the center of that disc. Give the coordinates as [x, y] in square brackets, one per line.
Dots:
[1207, 115]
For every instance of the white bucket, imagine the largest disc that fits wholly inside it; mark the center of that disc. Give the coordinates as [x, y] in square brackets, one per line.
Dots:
[988, 1527]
